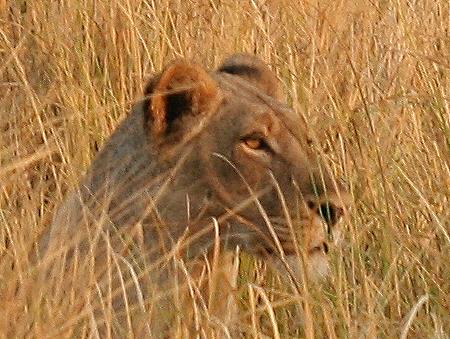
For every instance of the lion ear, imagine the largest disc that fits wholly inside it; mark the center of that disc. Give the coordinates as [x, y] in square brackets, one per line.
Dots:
[182, 89]
[255, 71]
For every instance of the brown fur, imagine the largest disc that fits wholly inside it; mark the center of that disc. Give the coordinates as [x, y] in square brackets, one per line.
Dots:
[205, 161]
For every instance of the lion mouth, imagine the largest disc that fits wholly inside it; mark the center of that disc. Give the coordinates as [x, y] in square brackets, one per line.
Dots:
[285, 237]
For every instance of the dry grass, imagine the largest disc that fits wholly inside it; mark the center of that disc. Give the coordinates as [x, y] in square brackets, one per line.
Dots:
[372, 78]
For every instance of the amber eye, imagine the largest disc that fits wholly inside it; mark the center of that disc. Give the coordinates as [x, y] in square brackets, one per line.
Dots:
[254, 143]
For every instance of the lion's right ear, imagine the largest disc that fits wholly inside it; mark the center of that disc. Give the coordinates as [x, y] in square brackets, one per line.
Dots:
[181, 90]
[255, 71]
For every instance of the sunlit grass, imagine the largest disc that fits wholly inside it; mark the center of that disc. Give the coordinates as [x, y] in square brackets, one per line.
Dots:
[372, 80]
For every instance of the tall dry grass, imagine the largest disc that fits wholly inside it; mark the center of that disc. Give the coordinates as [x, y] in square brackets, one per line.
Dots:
[371, 77]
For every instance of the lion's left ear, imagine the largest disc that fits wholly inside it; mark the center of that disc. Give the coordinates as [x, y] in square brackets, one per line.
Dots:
[256, 72]
[181, 90]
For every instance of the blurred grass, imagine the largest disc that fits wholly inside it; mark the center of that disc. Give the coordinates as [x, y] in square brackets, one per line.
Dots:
[372, 79]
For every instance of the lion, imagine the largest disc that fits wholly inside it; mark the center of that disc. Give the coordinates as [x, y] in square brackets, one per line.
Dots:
[207, 162]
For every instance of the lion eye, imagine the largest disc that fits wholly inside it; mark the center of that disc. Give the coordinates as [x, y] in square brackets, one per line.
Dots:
[254, 143]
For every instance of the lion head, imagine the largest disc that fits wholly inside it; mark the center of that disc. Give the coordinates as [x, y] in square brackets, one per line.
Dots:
[215, 152]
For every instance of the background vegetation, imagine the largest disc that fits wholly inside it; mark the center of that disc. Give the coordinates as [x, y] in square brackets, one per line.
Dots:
[371, 77]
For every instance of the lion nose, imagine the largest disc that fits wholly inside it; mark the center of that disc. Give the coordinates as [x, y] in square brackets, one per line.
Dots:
[328, 211]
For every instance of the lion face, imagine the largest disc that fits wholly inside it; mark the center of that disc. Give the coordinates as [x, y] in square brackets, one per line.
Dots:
[249, 165]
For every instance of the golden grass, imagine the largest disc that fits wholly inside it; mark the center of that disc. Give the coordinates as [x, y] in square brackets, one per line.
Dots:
[371, 77]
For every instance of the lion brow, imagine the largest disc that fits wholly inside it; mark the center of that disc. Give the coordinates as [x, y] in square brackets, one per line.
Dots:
[290, 119]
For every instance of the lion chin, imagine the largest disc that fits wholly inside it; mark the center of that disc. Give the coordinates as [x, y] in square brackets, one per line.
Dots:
[317, 266]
